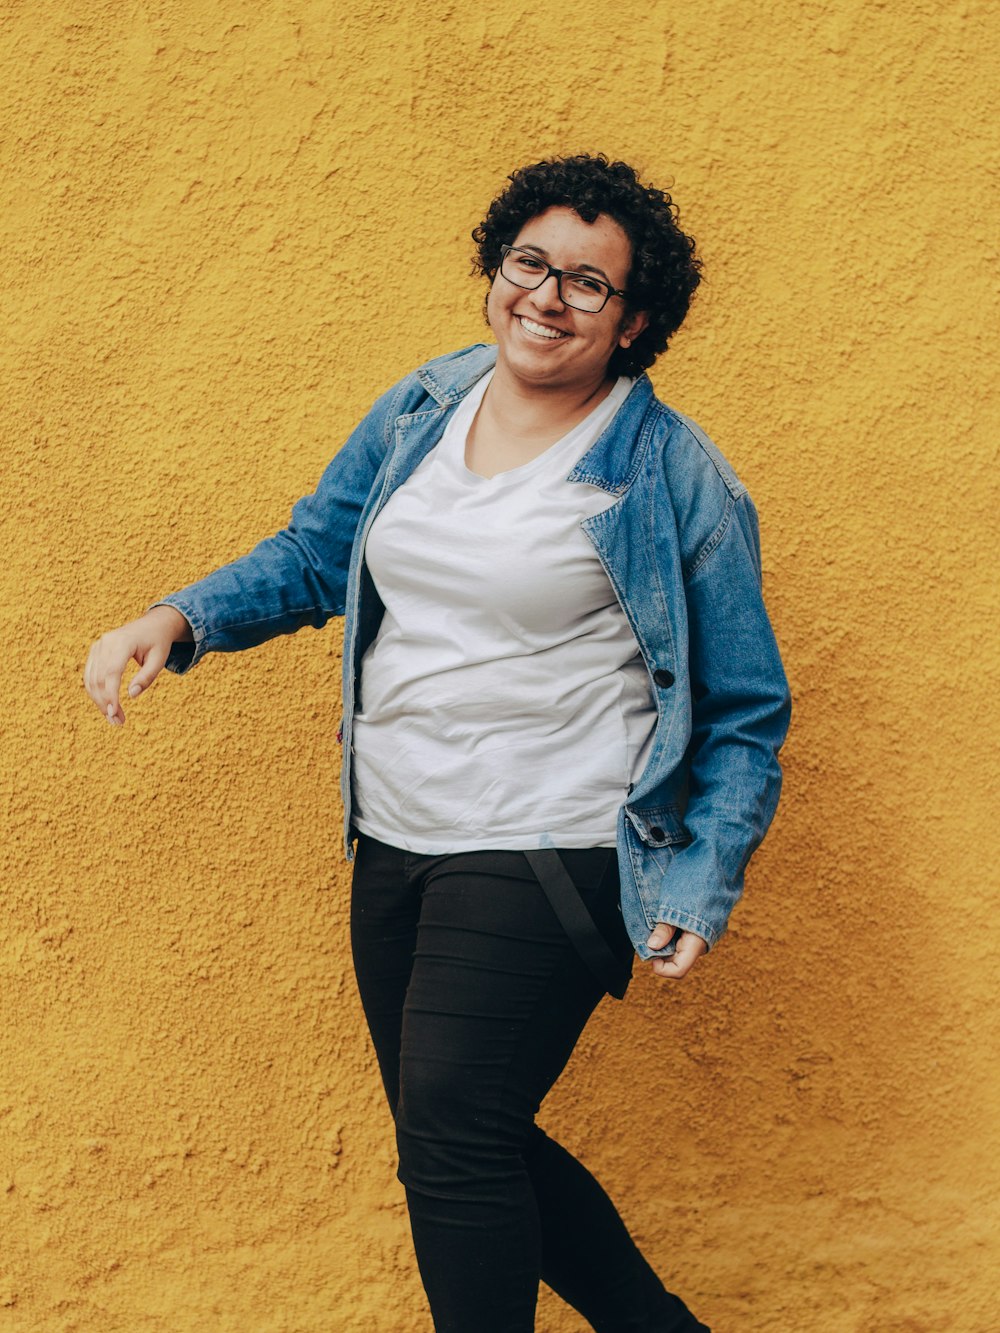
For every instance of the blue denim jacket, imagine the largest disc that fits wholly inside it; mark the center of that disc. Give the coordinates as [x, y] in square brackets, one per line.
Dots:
[680, 546]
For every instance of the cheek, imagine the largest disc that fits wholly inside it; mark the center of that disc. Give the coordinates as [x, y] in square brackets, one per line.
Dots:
[610, 335]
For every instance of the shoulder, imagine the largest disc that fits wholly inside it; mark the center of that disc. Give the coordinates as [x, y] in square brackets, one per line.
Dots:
[688, 452]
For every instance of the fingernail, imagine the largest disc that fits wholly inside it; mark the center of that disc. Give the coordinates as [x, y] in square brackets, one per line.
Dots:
[134, 689]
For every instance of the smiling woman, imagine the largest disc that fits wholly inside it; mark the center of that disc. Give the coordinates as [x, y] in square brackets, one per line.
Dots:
[563, 706]
[595, 327]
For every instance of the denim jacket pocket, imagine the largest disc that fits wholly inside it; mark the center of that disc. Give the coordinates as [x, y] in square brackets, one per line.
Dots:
[661, 826]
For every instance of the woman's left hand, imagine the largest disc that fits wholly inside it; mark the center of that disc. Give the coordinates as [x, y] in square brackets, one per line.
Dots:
[689, 949]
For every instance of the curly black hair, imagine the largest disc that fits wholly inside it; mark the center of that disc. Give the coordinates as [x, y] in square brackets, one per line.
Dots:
[665, 270]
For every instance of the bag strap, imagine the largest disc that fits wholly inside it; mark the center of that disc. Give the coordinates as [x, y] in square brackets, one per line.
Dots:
[574, 916]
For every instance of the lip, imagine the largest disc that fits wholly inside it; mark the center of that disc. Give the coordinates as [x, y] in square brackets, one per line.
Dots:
[537, 338]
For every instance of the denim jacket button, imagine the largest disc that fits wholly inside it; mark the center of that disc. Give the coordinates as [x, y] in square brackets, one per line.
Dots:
[663, 678]
[656, 832]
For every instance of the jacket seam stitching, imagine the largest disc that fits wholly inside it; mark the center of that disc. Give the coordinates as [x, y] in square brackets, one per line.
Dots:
[689, 918]
[715, 540]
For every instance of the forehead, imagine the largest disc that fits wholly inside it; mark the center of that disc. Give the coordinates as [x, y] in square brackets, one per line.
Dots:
[568, 241]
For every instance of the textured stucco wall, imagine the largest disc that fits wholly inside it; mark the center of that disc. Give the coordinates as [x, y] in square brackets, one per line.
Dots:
[211, 219]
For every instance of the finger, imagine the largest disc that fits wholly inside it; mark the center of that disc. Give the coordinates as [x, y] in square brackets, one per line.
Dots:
[690, 948]
[661, 936]
[671, 968]
[691, 945]
[94, 679]
[90, 675]
[114, 652]
[110, 691]
[152, 665]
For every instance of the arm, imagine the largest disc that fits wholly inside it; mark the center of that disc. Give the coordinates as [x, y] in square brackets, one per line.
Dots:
[298, 576]
[294, 578]
[741, 708]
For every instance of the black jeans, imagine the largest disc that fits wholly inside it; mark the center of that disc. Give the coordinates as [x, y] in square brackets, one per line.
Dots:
[475, 998]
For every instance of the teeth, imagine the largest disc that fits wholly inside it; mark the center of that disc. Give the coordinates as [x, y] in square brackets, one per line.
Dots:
[539, 329]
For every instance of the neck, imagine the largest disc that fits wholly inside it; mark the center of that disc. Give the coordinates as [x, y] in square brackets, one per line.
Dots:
[526, 411]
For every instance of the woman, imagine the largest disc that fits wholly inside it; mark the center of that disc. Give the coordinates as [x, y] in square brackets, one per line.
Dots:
[563, 704]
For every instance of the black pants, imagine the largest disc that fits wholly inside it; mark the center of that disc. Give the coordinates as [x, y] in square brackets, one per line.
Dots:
[475, 998]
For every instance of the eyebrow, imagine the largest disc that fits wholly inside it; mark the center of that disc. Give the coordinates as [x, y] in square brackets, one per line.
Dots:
[577, 268]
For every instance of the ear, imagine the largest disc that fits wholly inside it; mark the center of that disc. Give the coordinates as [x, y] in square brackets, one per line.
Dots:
[632, 325]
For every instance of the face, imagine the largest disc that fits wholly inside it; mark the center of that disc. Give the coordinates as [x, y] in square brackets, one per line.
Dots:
[545, 343]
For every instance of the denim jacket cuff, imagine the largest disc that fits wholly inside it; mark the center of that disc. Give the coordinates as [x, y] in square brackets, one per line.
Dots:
[183, 656]
[676, 916]
[686, 921]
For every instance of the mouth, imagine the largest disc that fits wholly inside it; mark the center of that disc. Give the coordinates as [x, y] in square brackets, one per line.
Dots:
[541, 332]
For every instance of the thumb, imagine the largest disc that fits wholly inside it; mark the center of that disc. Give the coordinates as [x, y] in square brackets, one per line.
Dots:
[152, 664]
[661, 936]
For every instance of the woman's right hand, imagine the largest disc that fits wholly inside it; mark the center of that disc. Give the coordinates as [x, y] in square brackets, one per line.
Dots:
[148, 640]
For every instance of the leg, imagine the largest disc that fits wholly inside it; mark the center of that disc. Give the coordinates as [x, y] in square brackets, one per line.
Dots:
[587, 1256]
[496, 1002]
[385, 909]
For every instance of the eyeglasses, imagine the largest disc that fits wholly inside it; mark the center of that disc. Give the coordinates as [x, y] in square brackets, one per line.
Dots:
[579, 290]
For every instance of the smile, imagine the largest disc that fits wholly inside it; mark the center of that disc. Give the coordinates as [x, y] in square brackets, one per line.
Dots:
[540, 330]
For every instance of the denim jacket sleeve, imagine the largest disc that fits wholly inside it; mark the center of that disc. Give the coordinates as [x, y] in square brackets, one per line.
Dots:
[298, 576]
[741, 709]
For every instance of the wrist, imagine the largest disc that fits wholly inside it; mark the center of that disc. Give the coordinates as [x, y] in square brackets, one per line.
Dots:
[172, 621]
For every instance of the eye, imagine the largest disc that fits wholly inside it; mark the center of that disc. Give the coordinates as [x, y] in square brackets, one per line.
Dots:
[526, 262]
[584, 284]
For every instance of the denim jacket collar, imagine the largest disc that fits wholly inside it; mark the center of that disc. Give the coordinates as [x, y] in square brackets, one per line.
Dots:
[612, 460]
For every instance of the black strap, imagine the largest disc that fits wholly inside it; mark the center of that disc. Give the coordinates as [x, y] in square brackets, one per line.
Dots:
[574, 916]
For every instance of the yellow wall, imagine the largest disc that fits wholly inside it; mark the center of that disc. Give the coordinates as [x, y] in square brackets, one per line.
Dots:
[213, 217]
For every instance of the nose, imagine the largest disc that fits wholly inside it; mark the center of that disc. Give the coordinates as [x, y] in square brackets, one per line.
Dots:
[546, 294]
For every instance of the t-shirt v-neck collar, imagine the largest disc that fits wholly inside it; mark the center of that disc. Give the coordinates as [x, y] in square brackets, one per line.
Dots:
[560, 455]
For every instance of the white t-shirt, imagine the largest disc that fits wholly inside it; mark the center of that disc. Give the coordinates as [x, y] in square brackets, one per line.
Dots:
[504, 703]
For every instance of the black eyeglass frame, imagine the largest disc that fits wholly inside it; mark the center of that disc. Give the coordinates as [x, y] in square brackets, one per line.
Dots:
[559, 274]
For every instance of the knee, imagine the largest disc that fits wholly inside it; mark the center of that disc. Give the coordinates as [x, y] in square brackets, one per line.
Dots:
[448, 1132]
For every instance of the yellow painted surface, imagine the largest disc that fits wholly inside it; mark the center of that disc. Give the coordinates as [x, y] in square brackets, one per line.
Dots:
[226, 228]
